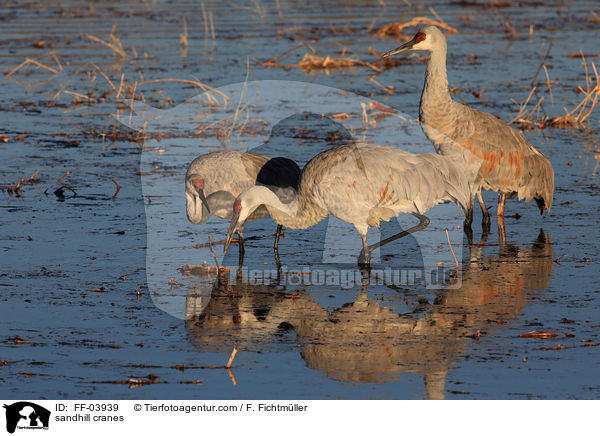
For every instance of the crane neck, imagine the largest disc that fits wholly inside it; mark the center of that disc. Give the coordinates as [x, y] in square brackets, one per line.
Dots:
[435, 90]
[299, 213]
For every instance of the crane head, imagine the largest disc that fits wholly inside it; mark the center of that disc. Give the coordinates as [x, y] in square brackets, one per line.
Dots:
[244, 206]
[240, 213]
[195, 184]
[427, 38]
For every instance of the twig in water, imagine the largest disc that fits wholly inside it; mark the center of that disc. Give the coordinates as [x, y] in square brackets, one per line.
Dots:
[543, 62]
[65, 175]
[192, 82]
[34, 174]
[213, 253]
[118, 188]
[545, 334]
[38, 64]
[183, 37]
[116, 45]
[559, 258]
[233, 353]
[450, 245]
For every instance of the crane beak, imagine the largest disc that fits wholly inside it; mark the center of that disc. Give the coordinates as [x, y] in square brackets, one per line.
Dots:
[203, 198]
[404, 47]
[232, 229]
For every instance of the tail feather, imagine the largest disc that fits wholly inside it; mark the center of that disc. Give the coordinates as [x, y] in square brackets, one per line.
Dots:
[537, 182]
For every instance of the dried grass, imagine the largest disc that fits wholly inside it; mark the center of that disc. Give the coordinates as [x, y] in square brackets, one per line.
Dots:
[512, 33]
[183, 38]
[311, 62]
[55, 72]
[576, 117]
[39, 65]
[396, 30]
[114, 45]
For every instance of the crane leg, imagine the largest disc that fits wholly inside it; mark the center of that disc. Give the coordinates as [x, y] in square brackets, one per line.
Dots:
[469, 217]
[277, 235]
[364, 259]
[423, 223]
[485, 222]
[501, 200]
[240, 248]
[278, 264]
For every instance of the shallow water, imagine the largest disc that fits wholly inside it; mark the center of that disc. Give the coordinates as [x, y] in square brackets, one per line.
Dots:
[86, 301]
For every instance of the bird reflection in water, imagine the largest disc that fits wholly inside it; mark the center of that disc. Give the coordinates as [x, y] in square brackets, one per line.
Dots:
[367, 341]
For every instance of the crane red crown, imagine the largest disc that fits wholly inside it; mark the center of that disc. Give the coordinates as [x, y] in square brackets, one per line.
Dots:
[198, 183]
[420, 36]
[237, 206]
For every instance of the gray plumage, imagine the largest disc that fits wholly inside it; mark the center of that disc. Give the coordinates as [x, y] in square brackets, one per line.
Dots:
[362, 184]
[220, 176]
[506, 161]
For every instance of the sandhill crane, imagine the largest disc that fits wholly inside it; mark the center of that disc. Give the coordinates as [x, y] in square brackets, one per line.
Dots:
[509, 163]
[361, 184]
[214, 180]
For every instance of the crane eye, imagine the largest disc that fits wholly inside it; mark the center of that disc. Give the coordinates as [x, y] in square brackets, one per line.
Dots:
[198, 183]
[237, 206]
[420, 36]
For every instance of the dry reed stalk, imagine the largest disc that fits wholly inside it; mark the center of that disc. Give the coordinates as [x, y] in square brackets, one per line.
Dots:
[227, 132]
[531, 34]
[549, 85]
[120, 86]
[65, 175]
[211, 126]
[87, 64]
[24, 135]
[183, 38]
[76, 94]
[116, 45]
[233, 353]
[522, 108]
[543, 63]
[365, 116]
[192, 82]
[39, 65]
[272, 60]
[452, 250]
[311, 62]
[212, 25]
[34, 174]
[513, 34]
[580, 113]
[205, 19]
[389, 91]
[213, 253]
[118, 188]
[396, 29]
[131, 103]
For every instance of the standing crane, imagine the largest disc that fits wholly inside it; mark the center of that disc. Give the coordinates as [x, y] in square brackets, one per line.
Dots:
[508, 163]
[361, 184]
[214, 180]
